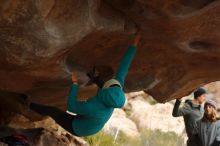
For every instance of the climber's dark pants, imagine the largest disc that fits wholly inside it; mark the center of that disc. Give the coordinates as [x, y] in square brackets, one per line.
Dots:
[62, 118]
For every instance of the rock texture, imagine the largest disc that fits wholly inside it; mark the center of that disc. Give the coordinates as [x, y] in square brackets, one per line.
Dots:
[42, 137]
[41, 42]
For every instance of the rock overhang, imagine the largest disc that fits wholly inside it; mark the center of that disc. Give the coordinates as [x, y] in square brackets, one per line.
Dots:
[41, 42]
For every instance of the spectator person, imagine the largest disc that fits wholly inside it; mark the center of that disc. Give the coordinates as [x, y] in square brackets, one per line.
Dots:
[191, 112]
[208, 128]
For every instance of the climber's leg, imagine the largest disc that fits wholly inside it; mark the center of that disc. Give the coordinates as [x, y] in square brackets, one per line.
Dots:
[62, 118]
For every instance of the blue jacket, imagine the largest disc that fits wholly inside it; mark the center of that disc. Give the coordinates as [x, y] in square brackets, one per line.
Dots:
[95, 112]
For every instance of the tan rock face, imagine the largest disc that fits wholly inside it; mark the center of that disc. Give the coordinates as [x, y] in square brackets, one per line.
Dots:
[41, 42]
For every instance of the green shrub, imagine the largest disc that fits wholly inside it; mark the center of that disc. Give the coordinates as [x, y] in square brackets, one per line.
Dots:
[147, 138]
[101, 139]
[159, 138]
[123, 140]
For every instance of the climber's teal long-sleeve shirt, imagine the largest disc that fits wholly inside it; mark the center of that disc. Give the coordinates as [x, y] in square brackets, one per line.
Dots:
[95, 112]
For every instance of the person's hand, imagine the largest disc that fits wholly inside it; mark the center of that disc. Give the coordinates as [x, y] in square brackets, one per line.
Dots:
[74, 78]
[179, 99]
[137, 39]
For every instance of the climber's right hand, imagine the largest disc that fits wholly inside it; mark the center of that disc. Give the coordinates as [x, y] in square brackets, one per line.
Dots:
[137, 39]
[74, 78]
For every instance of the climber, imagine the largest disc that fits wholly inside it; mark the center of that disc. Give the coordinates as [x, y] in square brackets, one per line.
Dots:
[208, 128]
[96, 111]
[192, 111]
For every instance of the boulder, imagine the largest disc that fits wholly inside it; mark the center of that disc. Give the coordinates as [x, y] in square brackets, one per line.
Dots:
[42, 42]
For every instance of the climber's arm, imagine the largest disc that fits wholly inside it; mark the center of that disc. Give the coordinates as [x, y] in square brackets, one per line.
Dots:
[126, 60]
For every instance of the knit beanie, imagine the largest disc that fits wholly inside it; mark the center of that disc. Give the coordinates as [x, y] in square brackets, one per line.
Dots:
[212, 103]
[199, 92]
